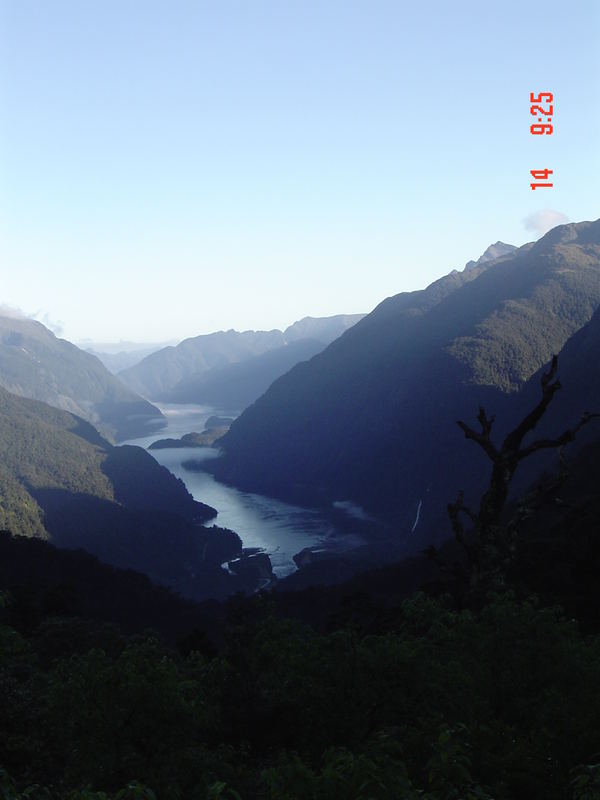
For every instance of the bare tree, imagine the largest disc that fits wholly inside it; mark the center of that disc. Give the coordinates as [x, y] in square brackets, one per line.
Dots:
[488, 546]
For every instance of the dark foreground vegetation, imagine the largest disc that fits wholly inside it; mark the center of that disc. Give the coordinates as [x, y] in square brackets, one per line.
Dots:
[501, 702]
[353, 691]
[482, 685]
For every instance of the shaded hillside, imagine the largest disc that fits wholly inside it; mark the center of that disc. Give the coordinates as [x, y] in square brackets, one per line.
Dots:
[235, 386]
[162, 371]
[43, 580]
[34, 363]
[579, 374]
[372, 418]
[61, 481]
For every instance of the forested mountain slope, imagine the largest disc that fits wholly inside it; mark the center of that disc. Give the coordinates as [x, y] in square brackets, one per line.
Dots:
[60, 480]
[372, 418]
[34, 363]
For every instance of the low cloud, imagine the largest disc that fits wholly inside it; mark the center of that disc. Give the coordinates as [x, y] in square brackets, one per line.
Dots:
[352, 509]
[543, 221]
[54, 325]
[12, 312]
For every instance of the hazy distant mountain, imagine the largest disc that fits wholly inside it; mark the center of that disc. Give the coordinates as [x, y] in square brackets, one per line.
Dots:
[324, 329]
[493, 251]
[372, 418]
[117, 356]
[34, 363]
[116, 362]
[61, 481]
[159, 373]
[122, 346]
[235, 386]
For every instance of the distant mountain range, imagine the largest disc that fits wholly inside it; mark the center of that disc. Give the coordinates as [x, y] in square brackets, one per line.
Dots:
[35, 363]
[176, 374]
[372, 419]
[234, 387]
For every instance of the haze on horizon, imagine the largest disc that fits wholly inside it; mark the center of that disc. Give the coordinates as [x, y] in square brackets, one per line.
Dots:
[172, 169]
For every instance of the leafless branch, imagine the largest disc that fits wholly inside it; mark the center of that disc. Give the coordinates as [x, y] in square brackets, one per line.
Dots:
[482, 438]
[549, 389]
[565, 437]
[486, 533]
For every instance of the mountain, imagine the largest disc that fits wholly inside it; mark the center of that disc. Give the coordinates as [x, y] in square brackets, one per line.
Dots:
[493, 251]
[325, 329]
[161, 372]
[61, 481]
[372, 418]
[122, 355]
[34, 363]
[235, 386]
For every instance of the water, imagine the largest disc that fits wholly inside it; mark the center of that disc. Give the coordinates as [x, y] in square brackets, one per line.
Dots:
[279, 528]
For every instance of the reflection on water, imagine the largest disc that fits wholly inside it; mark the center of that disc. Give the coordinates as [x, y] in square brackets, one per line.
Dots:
[280, 528]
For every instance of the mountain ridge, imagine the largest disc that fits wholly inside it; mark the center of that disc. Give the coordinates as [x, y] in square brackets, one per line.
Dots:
[233, 387]
[161, 372]
[494, 251]
[372, 417]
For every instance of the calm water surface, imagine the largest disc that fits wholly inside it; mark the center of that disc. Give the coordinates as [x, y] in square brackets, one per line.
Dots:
[279, 528]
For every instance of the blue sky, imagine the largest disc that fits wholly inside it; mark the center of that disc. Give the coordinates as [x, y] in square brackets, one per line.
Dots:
[174, 168]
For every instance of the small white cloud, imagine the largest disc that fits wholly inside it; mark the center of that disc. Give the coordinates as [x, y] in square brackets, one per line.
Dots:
[543, 221]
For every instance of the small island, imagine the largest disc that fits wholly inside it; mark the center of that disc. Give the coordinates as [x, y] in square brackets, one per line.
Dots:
[205, 439]
[217, 422]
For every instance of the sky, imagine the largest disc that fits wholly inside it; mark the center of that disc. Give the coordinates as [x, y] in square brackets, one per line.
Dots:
[173, 168]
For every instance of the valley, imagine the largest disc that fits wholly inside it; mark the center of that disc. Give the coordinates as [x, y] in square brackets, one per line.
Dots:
[332, 589]
[280, 529]
[299, 400]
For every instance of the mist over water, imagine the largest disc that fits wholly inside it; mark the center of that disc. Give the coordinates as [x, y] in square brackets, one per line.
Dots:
[281, 529]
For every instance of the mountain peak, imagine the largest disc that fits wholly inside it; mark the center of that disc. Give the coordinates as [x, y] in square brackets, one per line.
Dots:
[493, 251]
